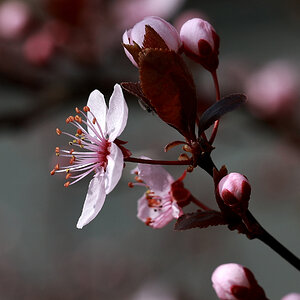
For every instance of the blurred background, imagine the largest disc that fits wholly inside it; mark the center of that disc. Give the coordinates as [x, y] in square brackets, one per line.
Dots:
[53, 53]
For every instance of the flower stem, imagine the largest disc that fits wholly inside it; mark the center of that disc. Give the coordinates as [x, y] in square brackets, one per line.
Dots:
[158, 162]
[218, 97]
[261, 234]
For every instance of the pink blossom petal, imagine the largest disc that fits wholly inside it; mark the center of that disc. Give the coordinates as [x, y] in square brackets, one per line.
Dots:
[176, 211]
[117, 113]
[114, 168]
[156, 177]
[94, 200]
[97, 105]
[159, 218]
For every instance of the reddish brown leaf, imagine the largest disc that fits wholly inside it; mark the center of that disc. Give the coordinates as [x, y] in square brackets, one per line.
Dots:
[134, 50]
[167, 83]
[200, 219]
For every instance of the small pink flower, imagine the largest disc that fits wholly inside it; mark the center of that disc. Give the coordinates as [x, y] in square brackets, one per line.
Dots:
[164, 29]
[101, 155]
[274, 90]
[234, 189]
[201, 43]
[235, 282]
[156, 207]
[291, 296]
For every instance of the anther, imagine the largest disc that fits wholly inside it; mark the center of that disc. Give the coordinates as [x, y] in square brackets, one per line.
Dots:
[86, 109]
[78, 119]
[71, 151]
[70, 143]
[58, 131]
[68, 176]
[138, 179]
[72, 160]
[130, 184]
[148, 221]
[56, 167]
[67, 184]
[94, 121]
[79, 131]
[67, 170]
[57, 151]
[52, 172]
[77, 110]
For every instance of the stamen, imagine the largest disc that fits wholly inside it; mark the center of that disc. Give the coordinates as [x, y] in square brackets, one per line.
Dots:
[94, 121]
[57, 151]
[68, 176]
[130, 184]
[79, 131]
[56, 167]
[78, 119]
[67, 184]
[86, 109]
[77, 110]
[187, 148]
[148, 221]
[58, 131]
[52, 172]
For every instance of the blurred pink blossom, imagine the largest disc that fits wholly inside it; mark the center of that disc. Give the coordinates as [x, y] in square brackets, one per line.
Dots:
[291, 296]
[39, 48]
[129, 12]
[156, 207]
[235, 282]
[273, 90]
[14, 18]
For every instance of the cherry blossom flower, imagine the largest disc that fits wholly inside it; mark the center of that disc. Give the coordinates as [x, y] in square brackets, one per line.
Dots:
[157, 207]
[291, 296]
[102, 154]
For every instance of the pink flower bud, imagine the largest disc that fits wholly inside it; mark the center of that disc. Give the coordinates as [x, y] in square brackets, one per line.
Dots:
[235, 282]
[201, 43]
[291, 296]
[164, 29]
[234, 189]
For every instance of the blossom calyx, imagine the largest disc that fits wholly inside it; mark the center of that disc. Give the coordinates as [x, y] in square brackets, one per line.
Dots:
[235, 282]
[151, 32]
[201, 43]
[234, 189]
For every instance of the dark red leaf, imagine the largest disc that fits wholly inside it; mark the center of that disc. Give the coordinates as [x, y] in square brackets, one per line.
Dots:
[217, 110]
[167, 83]
[134, 50]
[200, 219]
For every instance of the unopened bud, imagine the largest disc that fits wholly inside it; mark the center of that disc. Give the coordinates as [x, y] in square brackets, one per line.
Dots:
[165, 30]
[201, 43]
[235, 282]
[234, 189]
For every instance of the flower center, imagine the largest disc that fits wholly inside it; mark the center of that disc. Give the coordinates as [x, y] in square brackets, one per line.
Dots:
[93, 145]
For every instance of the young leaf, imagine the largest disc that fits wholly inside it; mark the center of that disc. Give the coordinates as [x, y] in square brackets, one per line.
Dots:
[200, 219]
[168, 85]
[217, 110]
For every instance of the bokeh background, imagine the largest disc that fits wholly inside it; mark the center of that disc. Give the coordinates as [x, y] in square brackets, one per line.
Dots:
[52, 55]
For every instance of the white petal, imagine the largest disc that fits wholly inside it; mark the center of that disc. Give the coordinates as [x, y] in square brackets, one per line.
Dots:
[156, 177]
[94, 200]
[176, 210]
[97, 105]
[117, 113]
[114, 168]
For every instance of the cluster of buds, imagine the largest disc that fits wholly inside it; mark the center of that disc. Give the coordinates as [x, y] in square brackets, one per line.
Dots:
[197, 38]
